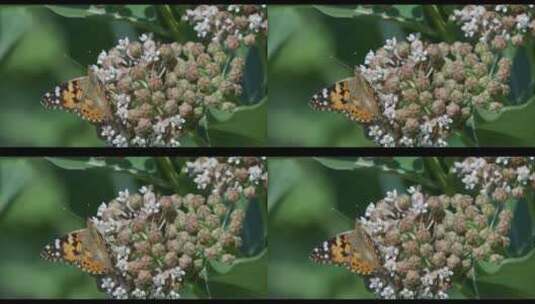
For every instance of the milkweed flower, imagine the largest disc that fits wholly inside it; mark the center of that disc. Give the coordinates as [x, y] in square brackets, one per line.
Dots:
[157, 92]
[427, 90]
[497, 24]
[229, 24]
[427, 241]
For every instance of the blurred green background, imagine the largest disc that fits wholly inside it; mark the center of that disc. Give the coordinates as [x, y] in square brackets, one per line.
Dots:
[309, 49]
[39, 202]
[311, 200]
[38, 50]
[309, 203]
[42, 46]
[45, 198]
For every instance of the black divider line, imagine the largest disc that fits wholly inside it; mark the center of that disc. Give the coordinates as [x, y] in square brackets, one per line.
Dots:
[268, 2]
[256, 300]
[265, 151]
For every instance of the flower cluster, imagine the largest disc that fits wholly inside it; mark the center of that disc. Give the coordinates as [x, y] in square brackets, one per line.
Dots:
[159, 241]
[157, 92]
[426, 241]
[425, 90]
[497, 24]
[498, 177]
[231, 24]
[229, 177]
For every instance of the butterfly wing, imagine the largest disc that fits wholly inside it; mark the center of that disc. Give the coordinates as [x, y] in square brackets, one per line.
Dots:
[363, 106]
[95, 107]
[336, 251]
[83, 96]
[67, 95]
[365, 258]
[353, 97]
[96, 257]
[353, 250]
[332, 98]
[78, 248]
[66, 249]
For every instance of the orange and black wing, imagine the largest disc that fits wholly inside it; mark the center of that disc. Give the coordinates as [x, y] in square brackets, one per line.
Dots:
[75, 249]
[350, 97]
[78, 96]
[342, 251]
[336, 251]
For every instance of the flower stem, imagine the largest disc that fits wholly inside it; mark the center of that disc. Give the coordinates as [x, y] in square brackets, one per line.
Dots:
[474, 281]
[436, 170]
[168, 169]
[169, 18]
[433, 13]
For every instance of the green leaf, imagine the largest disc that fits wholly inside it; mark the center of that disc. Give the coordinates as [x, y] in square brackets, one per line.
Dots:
[412, 11]
[74, 11]
[512, 279]
[142, 168]
[245, 278]
[283, 22]
[401, 165]
[134, 13]
[142, 16]
[456, 293]
[14, 175]
[14, 22]
[283, 176]
[246, 126]
[410, 169]
[254, 231]
[508, 127]
[409, 16]
[343, 163]
[77, 163]
[253, 76]
[336, 11]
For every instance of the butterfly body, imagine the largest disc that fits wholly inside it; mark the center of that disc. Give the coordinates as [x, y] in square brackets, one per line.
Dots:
[84, 248]
[83, 96]
[354, 250]
[352, 96]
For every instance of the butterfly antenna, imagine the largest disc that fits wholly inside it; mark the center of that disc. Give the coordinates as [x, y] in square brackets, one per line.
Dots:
[341, 63]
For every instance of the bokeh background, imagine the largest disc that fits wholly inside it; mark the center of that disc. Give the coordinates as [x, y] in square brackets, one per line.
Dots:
[38, 50]
[309, 202]
[42, 46]
[39, 202]
[309, 50]
[45, 198]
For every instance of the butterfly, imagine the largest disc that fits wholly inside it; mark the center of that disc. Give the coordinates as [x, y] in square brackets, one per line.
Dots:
[84, 96]
[84, 248]
[352, 249]
[352, 96]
